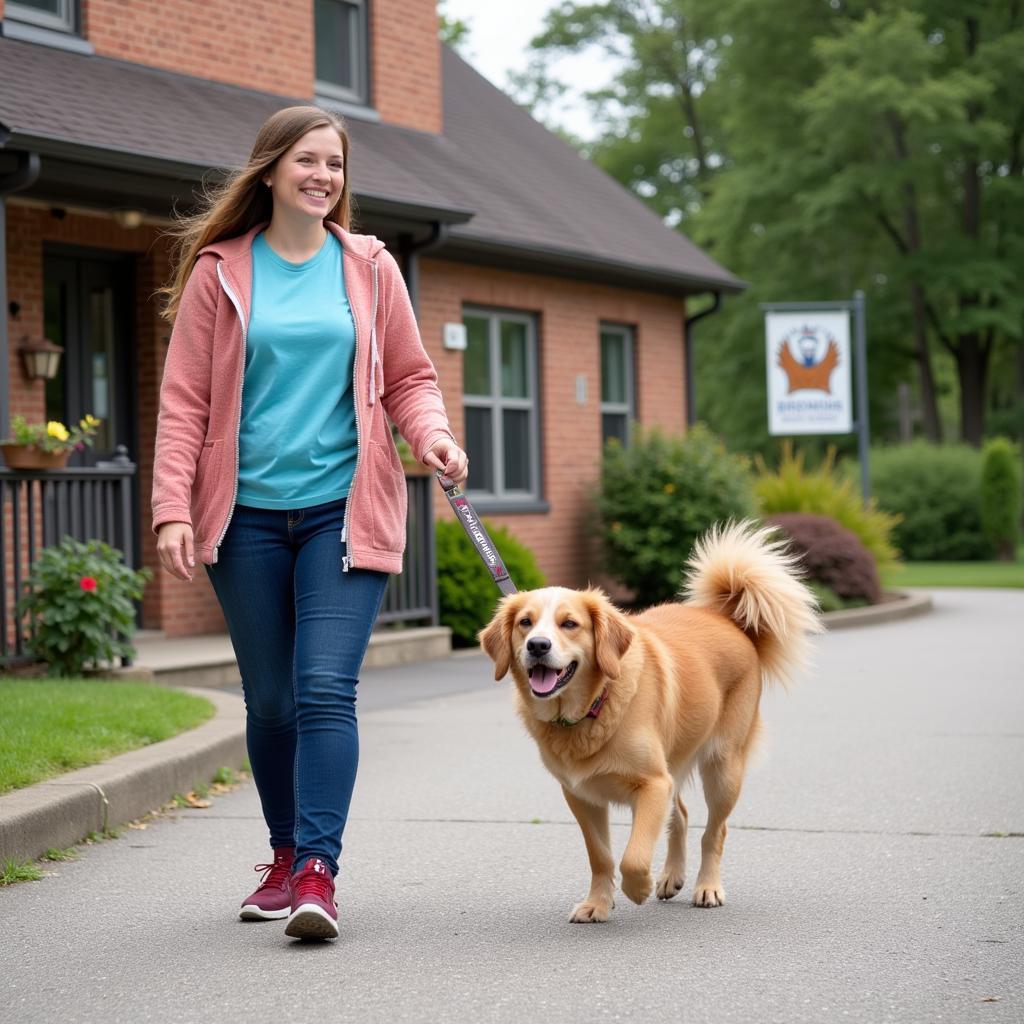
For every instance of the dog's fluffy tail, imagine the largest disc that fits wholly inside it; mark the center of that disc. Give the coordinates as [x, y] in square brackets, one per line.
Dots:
[744, 572]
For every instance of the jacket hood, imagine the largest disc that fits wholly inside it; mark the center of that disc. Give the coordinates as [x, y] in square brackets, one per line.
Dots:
[365, 246]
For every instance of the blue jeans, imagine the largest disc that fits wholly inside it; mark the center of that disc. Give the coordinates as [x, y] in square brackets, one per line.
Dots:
[299, 627]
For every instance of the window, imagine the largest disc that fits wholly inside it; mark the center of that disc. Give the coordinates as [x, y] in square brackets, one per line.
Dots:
[341, 49]
[618, 408]
[56, 14]
[499, 389]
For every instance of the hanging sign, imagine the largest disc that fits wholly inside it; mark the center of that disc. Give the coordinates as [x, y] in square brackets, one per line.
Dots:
[809, 380]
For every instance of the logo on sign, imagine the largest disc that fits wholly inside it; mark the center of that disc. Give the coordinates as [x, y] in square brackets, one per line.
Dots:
[807, 356]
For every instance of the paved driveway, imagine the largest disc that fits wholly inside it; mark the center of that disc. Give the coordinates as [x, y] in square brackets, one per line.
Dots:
[874, 868]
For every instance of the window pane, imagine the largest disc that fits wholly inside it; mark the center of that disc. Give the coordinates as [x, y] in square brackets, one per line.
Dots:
[480, 450]
[476, 360]
[336, 27]
[55, 7]
[613, 367]
[514, 380]
[613, 424]
[516, 428]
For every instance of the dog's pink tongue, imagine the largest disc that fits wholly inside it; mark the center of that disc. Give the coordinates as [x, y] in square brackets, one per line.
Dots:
[543, 679]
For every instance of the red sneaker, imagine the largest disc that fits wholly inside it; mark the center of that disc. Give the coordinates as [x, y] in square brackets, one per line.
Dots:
[271, 900]
[313, 908]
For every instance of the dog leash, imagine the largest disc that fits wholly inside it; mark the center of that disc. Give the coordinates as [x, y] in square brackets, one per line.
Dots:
[474, 527]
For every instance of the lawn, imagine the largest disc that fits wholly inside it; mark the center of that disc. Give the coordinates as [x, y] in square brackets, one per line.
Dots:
[958, 574]
[50, 726]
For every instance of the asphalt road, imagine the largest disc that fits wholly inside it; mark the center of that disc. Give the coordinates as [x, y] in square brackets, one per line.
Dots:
[874, 869]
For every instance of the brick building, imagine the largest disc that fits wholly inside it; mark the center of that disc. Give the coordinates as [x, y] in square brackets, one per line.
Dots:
[571, 292]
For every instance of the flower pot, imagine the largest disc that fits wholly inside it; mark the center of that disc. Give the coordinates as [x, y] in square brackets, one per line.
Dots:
[28, 456]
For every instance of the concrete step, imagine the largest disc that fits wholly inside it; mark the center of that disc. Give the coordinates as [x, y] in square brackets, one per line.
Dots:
[209, 661]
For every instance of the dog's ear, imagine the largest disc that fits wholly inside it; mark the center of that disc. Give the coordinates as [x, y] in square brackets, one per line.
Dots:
[496, 637]
[612, 633]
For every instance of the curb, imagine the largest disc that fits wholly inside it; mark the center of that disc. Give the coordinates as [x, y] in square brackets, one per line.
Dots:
[897, 605]
[63, 811]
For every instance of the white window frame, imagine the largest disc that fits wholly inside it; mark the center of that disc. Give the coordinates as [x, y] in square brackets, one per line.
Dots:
[66, 21]
[497, 404]
[627, 408]
[360, 95]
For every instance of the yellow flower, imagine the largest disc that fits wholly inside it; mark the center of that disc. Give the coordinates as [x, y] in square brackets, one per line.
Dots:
[57, 430]
[669, 488]
[89, 421]
[616, 527]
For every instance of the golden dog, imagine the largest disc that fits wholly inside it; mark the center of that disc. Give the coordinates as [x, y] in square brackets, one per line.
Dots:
[623, 708]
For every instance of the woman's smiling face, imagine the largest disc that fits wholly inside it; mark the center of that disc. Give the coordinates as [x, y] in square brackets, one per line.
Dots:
[308, 179]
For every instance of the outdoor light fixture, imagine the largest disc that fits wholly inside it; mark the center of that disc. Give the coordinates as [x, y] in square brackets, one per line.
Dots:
[129, 218]
[40, 359]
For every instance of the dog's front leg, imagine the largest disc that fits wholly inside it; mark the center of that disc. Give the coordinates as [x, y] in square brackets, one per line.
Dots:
[650, 806]
[593, 822]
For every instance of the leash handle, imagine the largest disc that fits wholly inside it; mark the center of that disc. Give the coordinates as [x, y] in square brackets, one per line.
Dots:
[474, 527]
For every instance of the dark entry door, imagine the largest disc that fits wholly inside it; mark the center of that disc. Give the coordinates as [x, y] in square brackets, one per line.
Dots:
[87, 309]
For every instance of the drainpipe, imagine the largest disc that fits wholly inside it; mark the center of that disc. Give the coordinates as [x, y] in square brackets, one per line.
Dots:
[691, 391]
[410, 251]
[23, 176]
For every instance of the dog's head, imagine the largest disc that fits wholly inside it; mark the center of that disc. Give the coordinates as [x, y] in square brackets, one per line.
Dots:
[554, 638]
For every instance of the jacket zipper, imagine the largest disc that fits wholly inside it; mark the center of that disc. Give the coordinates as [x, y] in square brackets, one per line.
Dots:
[346, 560]
[238, 422]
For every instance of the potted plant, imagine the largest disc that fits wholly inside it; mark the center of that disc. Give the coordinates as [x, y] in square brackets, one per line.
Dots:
[46, 445]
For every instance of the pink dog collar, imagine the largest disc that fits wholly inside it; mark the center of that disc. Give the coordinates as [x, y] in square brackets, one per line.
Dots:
[595, 710]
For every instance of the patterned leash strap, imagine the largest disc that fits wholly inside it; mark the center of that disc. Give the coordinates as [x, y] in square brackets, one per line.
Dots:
[473, 526]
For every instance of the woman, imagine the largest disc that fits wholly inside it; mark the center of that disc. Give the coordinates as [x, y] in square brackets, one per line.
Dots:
[275, 467]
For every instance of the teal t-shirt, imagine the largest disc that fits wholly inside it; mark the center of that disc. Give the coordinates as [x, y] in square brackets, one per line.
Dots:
[297, 441]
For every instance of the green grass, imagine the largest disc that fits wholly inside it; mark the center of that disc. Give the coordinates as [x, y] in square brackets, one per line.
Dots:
[12, 871]
[50, 726]
[957, 574]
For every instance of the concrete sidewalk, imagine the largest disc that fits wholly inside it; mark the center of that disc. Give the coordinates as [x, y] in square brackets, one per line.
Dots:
[874, 868]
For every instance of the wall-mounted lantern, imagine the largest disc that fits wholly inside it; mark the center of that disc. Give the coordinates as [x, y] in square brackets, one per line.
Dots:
[40, 359]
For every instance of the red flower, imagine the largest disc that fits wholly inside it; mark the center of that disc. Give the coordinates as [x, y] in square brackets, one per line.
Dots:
[87, 583]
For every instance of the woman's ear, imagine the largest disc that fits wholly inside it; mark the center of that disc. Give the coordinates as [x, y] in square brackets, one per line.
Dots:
[613, 633]
[496, 637]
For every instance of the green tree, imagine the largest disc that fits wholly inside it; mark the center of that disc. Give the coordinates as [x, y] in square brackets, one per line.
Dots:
[818, 147]
[453, 31]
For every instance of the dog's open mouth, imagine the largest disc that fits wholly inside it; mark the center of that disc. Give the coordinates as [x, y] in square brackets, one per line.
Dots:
[545, 681]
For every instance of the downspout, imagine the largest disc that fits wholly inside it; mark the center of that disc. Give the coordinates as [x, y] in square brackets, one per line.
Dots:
[410, 252]
[691, 390]
[23, 176]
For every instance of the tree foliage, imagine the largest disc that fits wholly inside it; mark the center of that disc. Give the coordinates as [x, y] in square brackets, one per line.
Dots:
[819, 147]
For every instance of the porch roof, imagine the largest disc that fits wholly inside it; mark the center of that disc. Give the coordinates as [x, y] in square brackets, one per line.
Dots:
[512, 193]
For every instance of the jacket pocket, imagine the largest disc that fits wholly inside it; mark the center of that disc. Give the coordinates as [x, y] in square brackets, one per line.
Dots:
[390, 499]
[204, 488]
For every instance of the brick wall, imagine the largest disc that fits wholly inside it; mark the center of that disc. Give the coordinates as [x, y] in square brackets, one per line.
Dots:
[569, 314]
[177, 607]
[269, 45]
[406, 64]
[257, 44]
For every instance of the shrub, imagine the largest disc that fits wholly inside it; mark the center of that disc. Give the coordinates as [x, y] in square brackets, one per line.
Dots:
[1001, 497]
[657, 497]
[831, 556]
[936, 491]
[79, 597]
[826, 492]
[466, 590]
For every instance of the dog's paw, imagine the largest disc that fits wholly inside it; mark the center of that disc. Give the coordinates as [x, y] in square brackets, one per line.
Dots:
[637, 885]
[590, 912]
[709, 896]
[670, 884]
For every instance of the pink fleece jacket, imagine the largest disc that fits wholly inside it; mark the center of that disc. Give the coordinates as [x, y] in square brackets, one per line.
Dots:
[195, 472]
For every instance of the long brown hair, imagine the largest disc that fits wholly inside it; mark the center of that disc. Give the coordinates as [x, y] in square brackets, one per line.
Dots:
[242, 201]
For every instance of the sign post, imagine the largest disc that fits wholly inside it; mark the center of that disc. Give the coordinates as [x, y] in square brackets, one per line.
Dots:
[810, 385]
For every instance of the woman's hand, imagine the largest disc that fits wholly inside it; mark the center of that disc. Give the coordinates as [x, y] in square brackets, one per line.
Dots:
[448, 457]
[175, 549]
